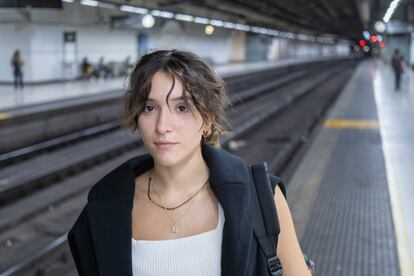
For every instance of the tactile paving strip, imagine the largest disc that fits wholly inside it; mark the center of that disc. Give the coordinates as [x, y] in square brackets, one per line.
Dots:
[351, 231]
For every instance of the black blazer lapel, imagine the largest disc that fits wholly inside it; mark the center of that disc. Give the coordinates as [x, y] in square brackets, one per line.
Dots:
[229, 179]
[111, 234]
[109, 209]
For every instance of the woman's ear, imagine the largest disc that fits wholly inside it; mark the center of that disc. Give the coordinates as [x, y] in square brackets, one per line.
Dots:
[207, 125]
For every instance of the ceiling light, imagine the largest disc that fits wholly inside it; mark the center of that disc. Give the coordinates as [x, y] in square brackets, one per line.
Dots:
[147, 21]
[91, 3]
[201, 20]
[229, 25]
[184, 17]
[209, 30]
[216, 22]
[390, 11]
[132, 9]
[379, 26]
[163, 14]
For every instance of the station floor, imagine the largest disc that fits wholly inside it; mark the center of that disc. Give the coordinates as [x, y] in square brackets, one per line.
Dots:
[351, 197]
[47, 93]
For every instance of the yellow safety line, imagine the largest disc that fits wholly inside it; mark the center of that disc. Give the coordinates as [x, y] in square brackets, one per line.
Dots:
[4, 116]
[333, 123]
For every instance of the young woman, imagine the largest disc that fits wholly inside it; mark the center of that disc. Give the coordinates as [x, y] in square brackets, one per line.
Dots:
[184, 208]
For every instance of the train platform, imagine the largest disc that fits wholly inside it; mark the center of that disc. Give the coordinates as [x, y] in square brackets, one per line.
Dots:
[54, 93]
[351, 195]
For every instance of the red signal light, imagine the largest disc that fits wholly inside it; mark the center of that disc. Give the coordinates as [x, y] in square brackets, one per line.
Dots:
[362, 43]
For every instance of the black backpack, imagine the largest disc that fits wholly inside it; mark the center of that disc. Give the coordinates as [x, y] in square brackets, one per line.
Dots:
[266, 226]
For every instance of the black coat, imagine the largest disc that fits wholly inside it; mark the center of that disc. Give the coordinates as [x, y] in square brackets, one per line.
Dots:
[100, 239]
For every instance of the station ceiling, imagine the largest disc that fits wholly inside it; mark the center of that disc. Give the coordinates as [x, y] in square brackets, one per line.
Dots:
[341, 18]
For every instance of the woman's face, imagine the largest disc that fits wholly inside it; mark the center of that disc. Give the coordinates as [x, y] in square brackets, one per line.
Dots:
[171, 134]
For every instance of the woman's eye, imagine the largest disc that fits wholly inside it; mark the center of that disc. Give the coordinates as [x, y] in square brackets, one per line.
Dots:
[148, 108]
[182, 108]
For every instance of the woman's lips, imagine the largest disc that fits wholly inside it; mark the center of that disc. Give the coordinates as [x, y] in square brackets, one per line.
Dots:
[162, 145]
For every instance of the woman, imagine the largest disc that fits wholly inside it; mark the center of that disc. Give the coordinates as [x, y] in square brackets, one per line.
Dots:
[182, 209]
[17, 64]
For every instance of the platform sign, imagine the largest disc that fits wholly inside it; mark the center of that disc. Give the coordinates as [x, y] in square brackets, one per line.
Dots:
[70, 55]
[69, 37]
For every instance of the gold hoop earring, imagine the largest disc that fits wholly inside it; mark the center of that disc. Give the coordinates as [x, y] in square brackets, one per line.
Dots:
[206, 133]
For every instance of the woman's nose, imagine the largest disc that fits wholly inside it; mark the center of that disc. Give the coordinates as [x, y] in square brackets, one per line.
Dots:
[164, 124]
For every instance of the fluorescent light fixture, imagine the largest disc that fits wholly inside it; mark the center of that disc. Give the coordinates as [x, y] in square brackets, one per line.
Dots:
[229, 25]
[259, 30]
[303, 37]
[68, 1]
[217, 23]
[91, 3]
[163, 14]
[288, 35]
[201, 20]
[390, 11]
[255, 29]
[132, 9]
[242, 27]
[274, 32]
[184, 17]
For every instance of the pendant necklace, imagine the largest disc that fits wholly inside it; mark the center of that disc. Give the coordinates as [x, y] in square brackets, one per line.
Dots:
[174, 227]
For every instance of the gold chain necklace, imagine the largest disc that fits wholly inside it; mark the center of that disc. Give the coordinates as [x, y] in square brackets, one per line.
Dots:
[171, 208]
[174, 228]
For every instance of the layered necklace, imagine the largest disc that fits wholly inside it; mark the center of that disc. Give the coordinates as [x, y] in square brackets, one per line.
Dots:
[174, 227]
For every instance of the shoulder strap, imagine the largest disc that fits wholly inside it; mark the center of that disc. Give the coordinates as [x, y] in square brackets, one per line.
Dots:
[266, 226]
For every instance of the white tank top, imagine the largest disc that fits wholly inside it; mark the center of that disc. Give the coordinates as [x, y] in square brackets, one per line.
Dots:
[199, 254]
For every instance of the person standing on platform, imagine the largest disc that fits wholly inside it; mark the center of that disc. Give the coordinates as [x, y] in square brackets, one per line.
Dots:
[398, 67]
[17, 64]
[187, 207]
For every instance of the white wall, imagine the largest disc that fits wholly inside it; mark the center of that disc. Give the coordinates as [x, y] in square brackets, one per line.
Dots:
[42, 46]
[217, 47]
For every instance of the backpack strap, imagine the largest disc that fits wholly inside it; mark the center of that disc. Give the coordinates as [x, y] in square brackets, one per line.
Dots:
[266, 226]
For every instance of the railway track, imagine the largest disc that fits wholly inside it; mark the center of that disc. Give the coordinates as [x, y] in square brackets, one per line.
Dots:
[100, 143]
[40, 231]
[242, 91]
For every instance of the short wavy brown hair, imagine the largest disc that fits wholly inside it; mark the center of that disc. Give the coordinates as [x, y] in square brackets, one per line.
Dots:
[206, 89]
